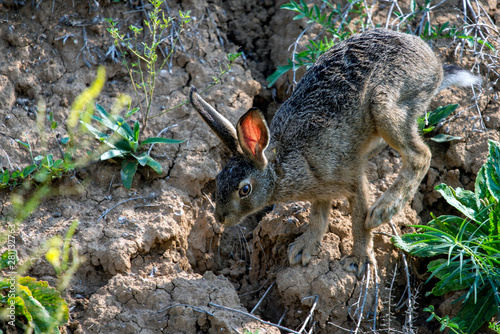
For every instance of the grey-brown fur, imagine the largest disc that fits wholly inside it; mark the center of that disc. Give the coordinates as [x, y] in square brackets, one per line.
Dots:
[361, 94]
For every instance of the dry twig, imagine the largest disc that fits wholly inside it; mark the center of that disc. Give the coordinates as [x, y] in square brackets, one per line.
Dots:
[288, 330]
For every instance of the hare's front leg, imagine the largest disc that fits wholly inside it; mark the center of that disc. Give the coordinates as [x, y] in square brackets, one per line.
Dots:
[310, 242]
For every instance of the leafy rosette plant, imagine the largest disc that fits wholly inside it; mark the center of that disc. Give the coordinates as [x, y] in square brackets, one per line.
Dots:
[35, 302]
[124, 143]
[467, 247]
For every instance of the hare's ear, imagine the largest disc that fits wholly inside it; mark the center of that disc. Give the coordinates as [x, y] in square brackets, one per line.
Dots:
[218, 123]
[253, 136]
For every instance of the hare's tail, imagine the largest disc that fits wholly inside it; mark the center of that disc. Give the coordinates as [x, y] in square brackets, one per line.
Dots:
[457, 76]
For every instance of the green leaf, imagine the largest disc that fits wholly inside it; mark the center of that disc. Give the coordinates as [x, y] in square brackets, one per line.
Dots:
[427, 130]
[131, 112]
[113, 154]
[124, 129]
[422, 245]
[474, 314]
[100, 109]
[9, 259]
[5, 176]
[448, 224]
[42, 175]
[64, 141]
[51, 302]
[481, 188]
[279, 72]
[142, 158]
[129, 167]
[136, 131]
[15, 174]
[40, 304]
[101, 136]
[124, 145]
[290, 6]
[441, 138]
[117, 124]
[494, 224]
[159, 140]
[463, 200]
[453, 276]
[28, 170]
[23, 143]
[48, 161]
[492, 167]
[155, 165]
[432, 118]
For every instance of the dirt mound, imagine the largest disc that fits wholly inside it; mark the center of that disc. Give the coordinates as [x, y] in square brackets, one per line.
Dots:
[156, 260]
[133, 304]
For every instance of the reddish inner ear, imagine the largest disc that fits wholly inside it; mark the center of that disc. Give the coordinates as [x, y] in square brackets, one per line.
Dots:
[252, 131]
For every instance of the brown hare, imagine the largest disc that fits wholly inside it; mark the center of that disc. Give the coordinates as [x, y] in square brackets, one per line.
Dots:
[363, 93]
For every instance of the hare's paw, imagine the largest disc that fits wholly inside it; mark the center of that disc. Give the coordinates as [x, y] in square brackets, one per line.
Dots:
[354, 264]
[302, 249]
[382, 211]
[357, 264]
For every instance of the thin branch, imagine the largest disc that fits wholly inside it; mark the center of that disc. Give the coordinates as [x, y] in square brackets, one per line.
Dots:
[261, 299]
[114, 206]
[342, 328]
[309, 316]
[375, 272]
[364, 297]
[255, 318]
[408, 283]
[160, 133]
[196, 308]
[282, 317]
[8, 159]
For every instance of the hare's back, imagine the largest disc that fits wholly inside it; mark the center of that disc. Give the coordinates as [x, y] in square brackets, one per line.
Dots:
[341, 84]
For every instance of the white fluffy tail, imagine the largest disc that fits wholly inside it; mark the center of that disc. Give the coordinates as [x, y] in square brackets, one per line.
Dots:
[457, 76]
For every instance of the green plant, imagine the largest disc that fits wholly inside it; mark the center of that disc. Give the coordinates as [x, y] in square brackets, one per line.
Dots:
[249, 332]
[40, 306]
[428, 122]
[445, 321]
[44, 168]
[124, 143]
[147, 53]
[31, 304]
[470, 246]
[494, 326]
[428, 31]
[338, 24]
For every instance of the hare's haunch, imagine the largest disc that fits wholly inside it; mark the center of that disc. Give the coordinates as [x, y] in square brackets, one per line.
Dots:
[362, 94]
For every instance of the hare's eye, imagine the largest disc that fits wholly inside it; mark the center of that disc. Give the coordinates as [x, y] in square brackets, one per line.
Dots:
[245, 190]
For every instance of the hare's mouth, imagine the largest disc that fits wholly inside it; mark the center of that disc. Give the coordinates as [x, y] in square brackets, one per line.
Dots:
[227, 219]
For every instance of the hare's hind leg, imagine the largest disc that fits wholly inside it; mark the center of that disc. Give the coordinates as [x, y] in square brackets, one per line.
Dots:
[309, 242]
[398, 127]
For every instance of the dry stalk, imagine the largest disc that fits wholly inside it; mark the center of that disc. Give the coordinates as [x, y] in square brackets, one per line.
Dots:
[120, 203]
[262, 298]
[309, 316]
[288, 330]
[410, 300]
